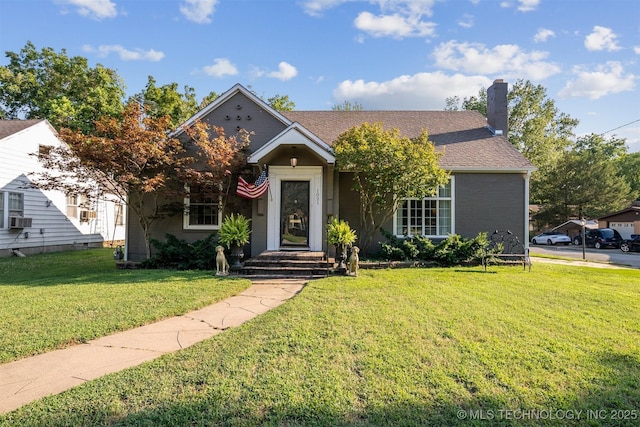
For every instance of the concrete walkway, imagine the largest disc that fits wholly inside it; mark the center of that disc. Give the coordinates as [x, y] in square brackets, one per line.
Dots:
[26, 380]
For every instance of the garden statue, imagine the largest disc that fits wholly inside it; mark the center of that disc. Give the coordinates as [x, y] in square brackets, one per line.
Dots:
[354, 261]
[222, 266]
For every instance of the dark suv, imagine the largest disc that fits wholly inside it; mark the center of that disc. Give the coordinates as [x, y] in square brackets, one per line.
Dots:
[600, 238]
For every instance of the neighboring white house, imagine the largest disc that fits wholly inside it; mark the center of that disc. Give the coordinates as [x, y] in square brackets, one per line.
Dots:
[34, 220]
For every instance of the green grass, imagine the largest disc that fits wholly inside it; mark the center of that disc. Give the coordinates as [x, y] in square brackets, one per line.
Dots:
[395, 347]
[55, 300]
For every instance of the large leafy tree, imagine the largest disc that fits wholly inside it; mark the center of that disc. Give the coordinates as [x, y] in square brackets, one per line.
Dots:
[629, 167]
[64, 90]
[167, 100]
[536, 127]
[137, 159]
[587, 179]
[387, 168]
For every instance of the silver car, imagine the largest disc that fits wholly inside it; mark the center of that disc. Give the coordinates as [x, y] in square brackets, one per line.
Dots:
[551, 238]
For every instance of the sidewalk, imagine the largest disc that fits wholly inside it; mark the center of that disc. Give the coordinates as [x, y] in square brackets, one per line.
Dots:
[26, 380]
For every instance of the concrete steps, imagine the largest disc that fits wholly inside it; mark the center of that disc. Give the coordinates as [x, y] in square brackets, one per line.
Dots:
[286, 264]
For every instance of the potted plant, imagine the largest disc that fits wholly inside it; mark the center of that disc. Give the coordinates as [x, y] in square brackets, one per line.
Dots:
[341, 235]
[234, 234]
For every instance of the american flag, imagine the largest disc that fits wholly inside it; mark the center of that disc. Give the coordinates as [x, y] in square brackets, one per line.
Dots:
[253, 191]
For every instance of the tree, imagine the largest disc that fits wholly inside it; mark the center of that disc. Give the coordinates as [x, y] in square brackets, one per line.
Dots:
[629, 167]
[134, 158]
[536, 127]
[166, 100]
[281, 103]
[347, 106]
[387, 168]
[62, 89]
[587, 180]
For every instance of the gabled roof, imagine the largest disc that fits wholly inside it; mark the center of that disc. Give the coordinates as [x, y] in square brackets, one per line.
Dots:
[237, 88]
[463, 136]
[10, 127]
[295, 134]
[632, 208]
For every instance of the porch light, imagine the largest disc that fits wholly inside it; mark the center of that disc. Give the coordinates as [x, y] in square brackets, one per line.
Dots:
[293, 159]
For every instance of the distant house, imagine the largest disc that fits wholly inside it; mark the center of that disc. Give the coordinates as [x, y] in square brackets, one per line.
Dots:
[626, 221]
[33, 220]
[488, 190]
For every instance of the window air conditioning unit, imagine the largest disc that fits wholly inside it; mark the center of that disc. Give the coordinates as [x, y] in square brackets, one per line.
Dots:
[85, 216]
[19, 222]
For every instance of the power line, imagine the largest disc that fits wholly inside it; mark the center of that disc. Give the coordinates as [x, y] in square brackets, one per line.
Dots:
[619, 127]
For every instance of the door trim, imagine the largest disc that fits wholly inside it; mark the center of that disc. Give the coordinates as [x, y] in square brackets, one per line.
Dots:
[312, 174]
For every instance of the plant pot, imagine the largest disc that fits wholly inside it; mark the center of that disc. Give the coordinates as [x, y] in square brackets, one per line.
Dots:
[237, 254]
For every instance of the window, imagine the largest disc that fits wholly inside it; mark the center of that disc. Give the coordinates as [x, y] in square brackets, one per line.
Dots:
[72, 206]
[16, 204]
[431, 216]
[119, 214]
[1, 209]
[202, 213]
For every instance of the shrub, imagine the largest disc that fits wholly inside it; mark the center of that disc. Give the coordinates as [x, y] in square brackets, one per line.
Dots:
[180, 255]
[454, 250]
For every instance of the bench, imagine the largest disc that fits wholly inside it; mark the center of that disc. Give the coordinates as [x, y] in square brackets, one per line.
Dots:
[505, 248]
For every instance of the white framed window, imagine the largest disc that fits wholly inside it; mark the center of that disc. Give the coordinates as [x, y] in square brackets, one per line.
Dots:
[201, 212]
[118, 214]
[16, 204]
[2, 209]
[72, 205]
[430, 217]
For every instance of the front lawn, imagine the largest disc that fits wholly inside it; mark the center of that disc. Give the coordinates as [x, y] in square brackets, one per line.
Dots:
[557, 346]
[55, 300]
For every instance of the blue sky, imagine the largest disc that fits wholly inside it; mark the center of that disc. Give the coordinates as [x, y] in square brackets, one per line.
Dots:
[383, 54]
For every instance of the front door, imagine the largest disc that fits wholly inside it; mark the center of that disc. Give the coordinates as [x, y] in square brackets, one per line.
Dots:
[294, 208]
[294, 211]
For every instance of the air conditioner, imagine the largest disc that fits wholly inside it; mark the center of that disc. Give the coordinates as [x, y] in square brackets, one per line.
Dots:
[19, 222]
[85, 216]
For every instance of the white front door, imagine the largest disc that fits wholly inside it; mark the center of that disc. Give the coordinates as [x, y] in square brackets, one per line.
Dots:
[294, 209]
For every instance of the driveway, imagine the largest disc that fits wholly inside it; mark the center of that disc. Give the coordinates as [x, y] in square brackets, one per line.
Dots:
[615, 256]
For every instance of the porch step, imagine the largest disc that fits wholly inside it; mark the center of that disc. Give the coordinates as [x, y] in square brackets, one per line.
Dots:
[286, 264]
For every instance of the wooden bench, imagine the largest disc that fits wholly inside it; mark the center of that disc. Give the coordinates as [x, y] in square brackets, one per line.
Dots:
[505, 248]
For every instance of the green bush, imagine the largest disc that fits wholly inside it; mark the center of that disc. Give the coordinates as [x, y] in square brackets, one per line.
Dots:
[180, 255]
[454, 250]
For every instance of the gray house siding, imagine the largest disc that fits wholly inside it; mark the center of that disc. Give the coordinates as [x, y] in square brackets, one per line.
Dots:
[488, 202]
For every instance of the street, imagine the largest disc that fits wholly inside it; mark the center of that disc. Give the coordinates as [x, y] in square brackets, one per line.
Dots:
[615, 256]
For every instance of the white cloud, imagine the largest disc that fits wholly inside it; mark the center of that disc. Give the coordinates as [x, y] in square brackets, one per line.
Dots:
[528, 5]
[316, 7]
[466, 21]
[198, 11]
[285, 72]
[96, 9]
[221, 67]
[636, 49]
[523, 5]
[422, 91]
[393, 25]
[543, 35]
[602, 38]
[604, 80]
[125, 54]
[504, 61]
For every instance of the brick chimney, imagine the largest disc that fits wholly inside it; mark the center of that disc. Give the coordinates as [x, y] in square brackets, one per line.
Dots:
[497, 112]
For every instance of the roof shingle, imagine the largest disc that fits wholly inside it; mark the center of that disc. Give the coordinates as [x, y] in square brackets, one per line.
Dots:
[461, 135]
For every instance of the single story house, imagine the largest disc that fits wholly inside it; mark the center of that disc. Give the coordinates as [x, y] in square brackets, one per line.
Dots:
[488, 190]
[626, 221]
[34, 220]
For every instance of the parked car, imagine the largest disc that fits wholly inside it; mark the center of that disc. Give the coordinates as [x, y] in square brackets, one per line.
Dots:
[632, 244]
[600, 238]
[551, 238]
